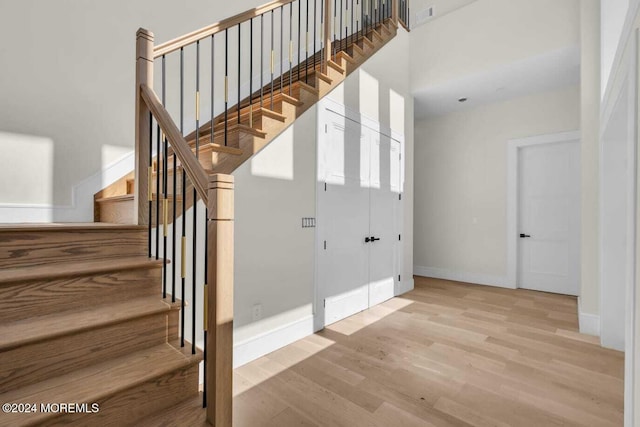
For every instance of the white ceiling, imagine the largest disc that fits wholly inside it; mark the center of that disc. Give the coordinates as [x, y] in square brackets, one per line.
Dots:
[551, 70]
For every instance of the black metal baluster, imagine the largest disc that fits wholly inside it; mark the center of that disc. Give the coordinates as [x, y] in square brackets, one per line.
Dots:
[150, 181]
[335, 20]
[299, 35]
[315, 34]
[280, 67]
[306, 45]
[165, 206]
[357, 33]
[273, 58]
[183, 241]
[290, 49]
[323, 54]
[205, 311]
[226, 86]
[157, 190]
[341, 10]
[371, 16]
[261, 60]
[195, 210]
[351, 32]
[250, 73]
[173, 229]
[213, 85]
[361, 18]
[239, 67]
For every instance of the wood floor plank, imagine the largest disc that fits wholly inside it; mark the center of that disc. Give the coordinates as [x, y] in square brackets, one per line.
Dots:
[447, 354]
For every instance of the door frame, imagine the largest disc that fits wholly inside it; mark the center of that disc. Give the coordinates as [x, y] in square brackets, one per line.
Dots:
[325, 107]
[513, 149]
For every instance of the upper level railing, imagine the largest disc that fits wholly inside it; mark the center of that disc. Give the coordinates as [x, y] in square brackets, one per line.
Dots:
[195, 93]
[404, 14]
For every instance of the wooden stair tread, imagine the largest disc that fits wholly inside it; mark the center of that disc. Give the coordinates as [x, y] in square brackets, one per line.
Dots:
[99, 381]
[189, 412]
[78, 268]
[68, 226]
[23, 332]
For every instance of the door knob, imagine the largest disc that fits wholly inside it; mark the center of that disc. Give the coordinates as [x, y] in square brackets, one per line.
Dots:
[373, 238]
[522, 235]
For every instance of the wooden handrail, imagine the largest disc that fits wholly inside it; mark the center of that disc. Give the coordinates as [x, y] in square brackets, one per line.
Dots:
[187, 39]
[190, 163]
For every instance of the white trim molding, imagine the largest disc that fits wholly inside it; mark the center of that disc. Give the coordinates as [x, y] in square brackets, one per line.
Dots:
[81, 207]
[270, 341]
[512, 194]
[588, 323]
[462, 276]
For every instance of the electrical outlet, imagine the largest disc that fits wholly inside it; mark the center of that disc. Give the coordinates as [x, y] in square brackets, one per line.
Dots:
[256, 312]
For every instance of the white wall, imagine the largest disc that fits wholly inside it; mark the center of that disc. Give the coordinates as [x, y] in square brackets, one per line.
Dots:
[489, 33]
[275, 258]
[613, 18]
[68, 78]
[460, 196]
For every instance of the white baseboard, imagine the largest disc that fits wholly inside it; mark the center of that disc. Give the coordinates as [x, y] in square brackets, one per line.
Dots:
[267, 342]
[589, 323]
[405, 286]
[462, 276]
[81, 207]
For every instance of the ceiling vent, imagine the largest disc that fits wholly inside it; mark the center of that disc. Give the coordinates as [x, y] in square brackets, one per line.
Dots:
[424, 15]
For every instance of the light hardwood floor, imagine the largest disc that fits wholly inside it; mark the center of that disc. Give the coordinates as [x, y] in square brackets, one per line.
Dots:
[445, 354]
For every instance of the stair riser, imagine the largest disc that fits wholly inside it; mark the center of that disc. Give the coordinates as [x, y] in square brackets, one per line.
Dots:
[324, 87]
[116, 211]
[25, 248]
[128, 407]
[288, 110]
[47, 296]
[335, 75]
[32, 363]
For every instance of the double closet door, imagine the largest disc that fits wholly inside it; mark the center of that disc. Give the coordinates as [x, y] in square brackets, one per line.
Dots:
[358, 218]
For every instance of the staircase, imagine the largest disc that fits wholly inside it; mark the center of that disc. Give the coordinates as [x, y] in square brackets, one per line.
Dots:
[234, 141]
[89, 316]
[82, 321]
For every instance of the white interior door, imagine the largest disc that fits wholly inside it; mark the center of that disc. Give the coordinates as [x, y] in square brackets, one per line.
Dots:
[358, 205]
[383, 211]
[343, 264]
[549, 217]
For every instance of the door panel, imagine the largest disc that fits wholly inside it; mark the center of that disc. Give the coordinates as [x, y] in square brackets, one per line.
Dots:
[361, 169]
[343, 265]
[549, 212]
[383, 218]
